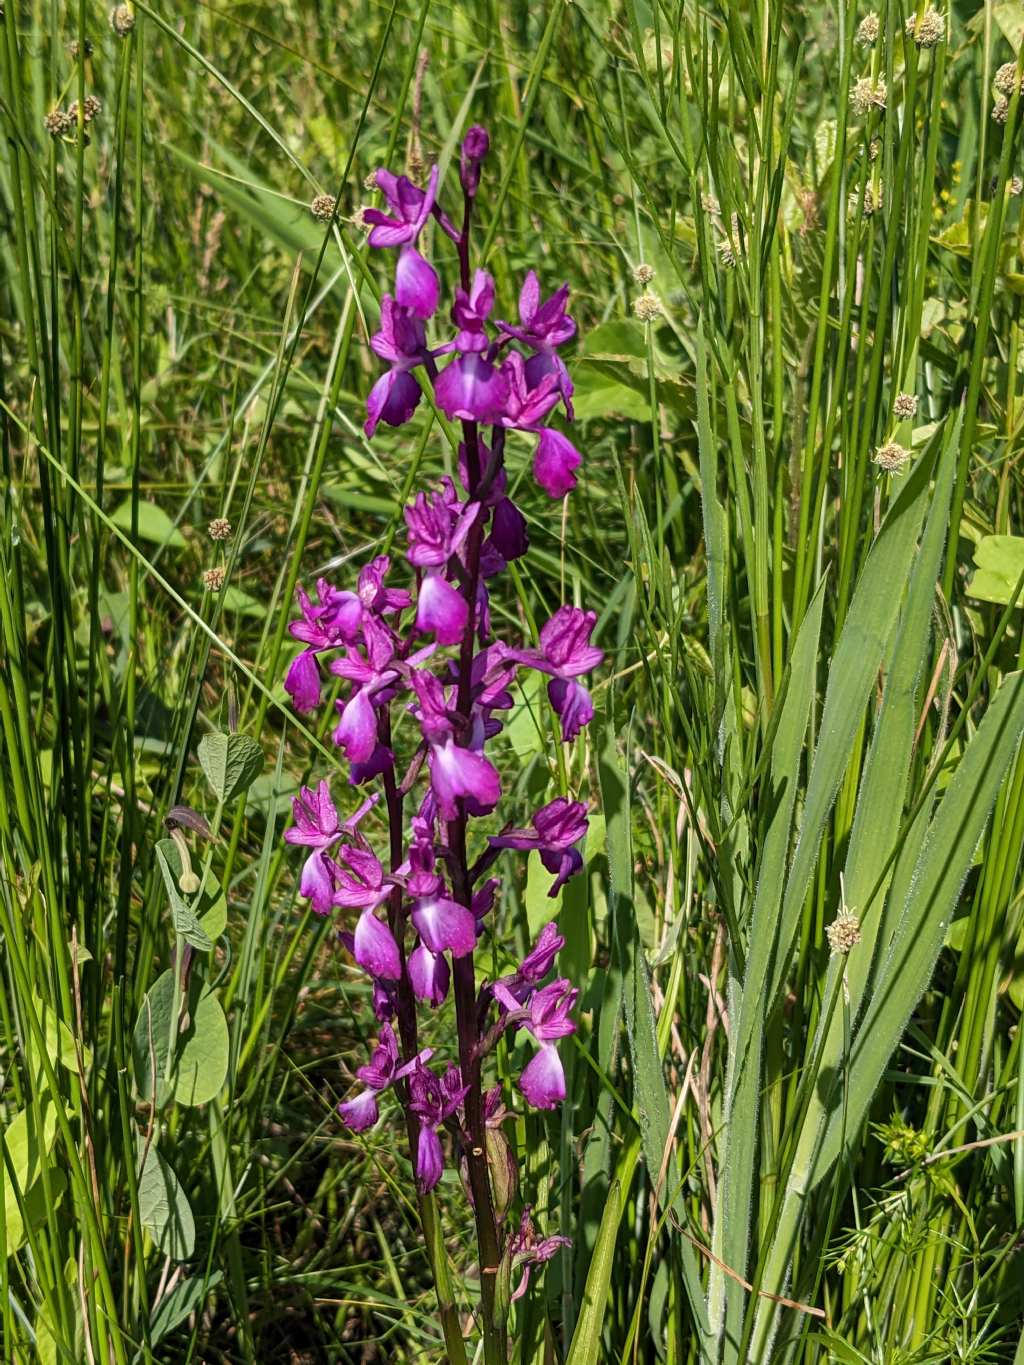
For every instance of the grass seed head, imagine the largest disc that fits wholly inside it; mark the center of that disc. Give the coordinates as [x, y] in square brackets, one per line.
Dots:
[213, 579]
[57, 122]
[867, 31]
[122, 20]
[891, 457]
[866, 95]
[219, 529]
[1001, 109]
[322, 208]
[843, 933]
[929, 30]
[905, 405]
[1006, 77]
[643, 273]
[647, 306]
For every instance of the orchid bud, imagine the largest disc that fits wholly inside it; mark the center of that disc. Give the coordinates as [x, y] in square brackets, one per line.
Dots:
[475, 147]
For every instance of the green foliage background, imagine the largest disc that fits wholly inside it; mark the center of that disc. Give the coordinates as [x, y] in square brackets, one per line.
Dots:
[811, 706]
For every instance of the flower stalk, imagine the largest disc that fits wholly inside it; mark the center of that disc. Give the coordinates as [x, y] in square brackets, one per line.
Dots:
[427, 685]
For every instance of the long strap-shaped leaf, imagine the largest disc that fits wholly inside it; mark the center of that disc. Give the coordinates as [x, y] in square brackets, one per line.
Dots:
[943, 864]
[650, 1097]
[739, 1135]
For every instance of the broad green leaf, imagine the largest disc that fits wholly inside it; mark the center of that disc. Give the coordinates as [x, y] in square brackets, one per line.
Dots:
[210, 904]
[184, 1298]
[60, 1041]
[26, 1149]
[164, 1209]
[154, 524]
[231, 763]
[598, 396]
[237, 600]
[1000, 563]
[201, 1052]
[186, 921]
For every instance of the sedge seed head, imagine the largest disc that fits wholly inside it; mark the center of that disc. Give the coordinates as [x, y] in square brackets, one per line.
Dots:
[905, 405]
[213, 579]
[57, 122]
[1006, 78]
[643, 273]
[122, 20]
[219, 529]
[927, 31]
[1001, 109]
[647, 306]
[867, 31]
[892, 457]
[322, 208]
[843, 933]
[866, 95]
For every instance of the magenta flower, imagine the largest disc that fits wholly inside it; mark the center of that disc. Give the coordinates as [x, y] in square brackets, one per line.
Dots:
[472, 389]
[402, 343]
[470, 313]
[382, 1071]
[416, 282]
[374, 595]
[546, 1017]
[358, 878]
[429, 975]
[410, 209]
[525, 1250]
[565, 653]
[544, 327]
[433, 1101]
[556, 828]
[316, 827]
[333, 620]
[554, 463]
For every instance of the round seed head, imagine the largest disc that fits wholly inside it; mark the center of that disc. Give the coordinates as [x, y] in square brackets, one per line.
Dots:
[866, 95]
[219, 529]
[891, 457]
[647, 306]
[57, 122]
[927, 31]
[122, 20]
[1016, 185]
[905, 405]
[1001, 109]
[843, 933]
[643, 273]
[710, 204]
[213, 579]
[867, 31]
[90, 108]
[1006, 77]
[322, 208]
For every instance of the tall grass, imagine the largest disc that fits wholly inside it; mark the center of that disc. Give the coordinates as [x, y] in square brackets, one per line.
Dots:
[811, 711]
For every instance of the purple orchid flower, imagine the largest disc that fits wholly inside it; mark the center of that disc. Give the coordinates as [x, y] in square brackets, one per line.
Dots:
[429, 975]
[416, 283]
[457, 774]
[382, 1071]
[433, 1101]
[544, 327]
[535, 965]
[546, 1017]
[526, 1250]
[470, 313]
[473, 389]
[527, 403]
[565, 653]
[316, 828]
[402, 343]
[374, 595]
[335, 619]
[557, 827]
